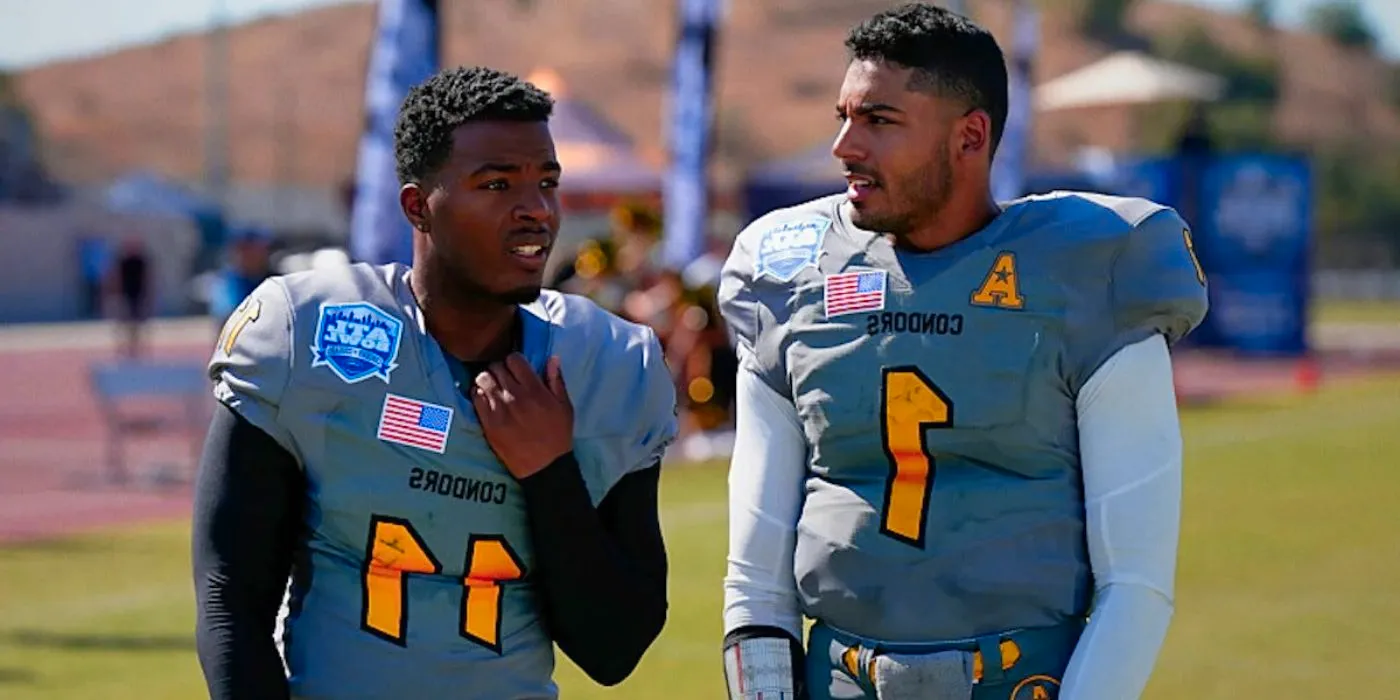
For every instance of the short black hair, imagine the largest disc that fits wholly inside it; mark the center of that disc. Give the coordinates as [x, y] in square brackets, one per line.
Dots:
[433, 109]
[951, 55]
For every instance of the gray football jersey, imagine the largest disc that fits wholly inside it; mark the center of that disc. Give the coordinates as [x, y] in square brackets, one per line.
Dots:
[937, 394]
[416, 575]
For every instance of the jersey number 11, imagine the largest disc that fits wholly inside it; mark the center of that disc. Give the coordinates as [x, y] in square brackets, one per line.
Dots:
[909, 404]
[395, 549]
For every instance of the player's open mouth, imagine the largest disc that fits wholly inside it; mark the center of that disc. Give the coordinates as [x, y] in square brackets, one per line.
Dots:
[531, 256]
[858, 187]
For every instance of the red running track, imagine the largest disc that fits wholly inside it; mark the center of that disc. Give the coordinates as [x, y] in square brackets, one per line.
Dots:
[52, 436]
[52, 448]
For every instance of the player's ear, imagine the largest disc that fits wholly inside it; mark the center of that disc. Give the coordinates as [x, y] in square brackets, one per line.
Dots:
[413, 199]
[974, 133]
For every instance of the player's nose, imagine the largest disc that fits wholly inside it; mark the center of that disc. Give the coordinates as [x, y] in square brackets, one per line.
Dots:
[535, 206]
[847, 146]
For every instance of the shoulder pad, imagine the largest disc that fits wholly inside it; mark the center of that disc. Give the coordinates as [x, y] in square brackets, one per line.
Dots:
[623, 394]
[252, 362]
[1154, 285]
[1130, 210]
[1087, 214]
[341, 283]
[1158, 284]
[349, 320]
[768, 255]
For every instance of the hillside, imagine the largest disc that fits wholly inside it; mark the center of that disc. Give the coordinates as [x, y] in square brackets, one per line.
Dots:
[297, 82]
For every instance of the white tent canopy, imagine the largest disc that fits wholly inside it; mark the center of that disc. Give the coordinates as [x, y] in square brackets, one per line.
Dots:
[1127, 77]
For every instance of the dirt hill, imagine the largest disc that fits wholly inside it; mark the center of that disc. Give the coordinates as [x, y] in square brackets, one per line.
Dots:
[296, 83]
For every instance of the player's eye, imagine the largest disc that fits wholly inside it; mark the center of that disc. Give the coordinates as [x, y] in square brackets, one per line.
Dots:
[878, 120]
[549, 183]
[496, 185]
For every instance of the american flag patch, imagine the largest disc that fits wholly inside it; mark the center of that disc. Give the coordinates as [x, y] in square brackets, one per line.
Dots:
[852, 292]
[414, 423]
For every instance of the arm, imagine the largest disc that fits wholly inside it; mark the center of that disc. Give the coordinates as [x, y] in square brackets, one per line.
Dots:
[762, 623]
[603, 570]
[1130, 445]
[248, 499]
[247, 503]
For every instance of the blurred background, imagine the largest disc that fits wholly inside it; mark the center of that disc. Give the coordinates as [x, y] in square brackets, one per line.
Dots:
[159, 158]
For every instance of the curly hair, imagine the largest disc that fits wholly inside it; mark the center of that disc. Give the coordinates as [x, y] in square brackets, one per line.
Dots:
[433, 109]
[950, 55]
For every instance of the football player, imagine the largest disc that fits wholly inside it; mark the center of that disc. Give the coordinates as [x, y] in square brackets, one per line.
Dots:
[445, 469]
[958, 448]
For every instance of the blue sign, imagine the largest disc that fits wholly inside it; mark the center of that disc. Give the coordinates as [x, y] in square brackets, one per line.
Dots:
[1256, 213]
[1253, 236]
[404, 53]
[686, 192]
[1256, 313]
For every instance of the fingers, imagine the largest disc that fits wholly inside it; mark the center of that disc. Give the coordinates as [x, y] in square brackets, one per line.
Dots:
[486, 397]
[513, 385]
[504, 384]
[518, 369]
[554, 376]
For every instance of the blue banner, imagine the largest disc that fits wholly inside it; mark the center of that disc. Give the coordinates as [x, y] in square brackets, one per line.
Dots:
[1254, 238]
[1256, 213]
[686, 190]
[1256, 314]
[405, 53]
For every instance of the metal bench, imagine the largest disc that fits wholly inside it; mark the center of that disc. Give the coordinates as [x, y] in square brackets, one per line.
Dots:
[181, 385]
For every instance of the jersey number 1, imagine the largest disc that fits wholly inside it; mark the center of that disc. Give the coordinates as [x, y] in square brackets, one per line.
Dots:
[395, 549]
[909, 404]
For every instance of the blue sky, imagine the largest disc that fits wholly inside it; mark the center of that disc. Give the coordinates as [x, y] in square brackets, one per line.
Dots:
[35, 31]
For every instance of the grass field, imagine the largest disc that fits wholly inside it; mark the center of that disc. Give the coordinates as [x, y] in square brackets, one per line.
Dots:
[1370, 312]
[1286, 586]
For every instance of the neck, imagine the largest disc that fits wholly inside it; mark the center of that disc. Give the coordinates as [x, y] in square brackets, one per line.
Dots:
[469, 328]
[959, 218]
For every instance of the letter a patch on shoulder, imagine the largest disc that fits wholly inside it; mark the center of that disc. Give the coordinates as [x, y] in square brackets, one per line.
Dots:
[1001, 288]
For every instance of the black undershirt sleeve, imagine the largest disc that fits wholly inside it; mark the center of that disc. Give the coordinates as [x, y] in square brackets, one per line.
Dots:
[602, 571]
[247, 519]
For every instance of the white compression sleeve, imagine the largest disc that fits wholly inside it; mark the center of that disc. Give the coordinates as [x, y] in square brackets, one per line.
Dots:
[1130, 446]
[766, 484]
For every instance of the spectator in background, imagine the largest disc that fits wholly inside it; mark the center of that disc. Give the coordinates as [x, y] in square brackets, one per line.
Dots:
[132, 284]
[636, 230]
[619, 271]
[704, 360]
[617, 263]
[247, 262]
[94, 265]
[697, 348]
[655, 303]
[710, 401]
[594, 275]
